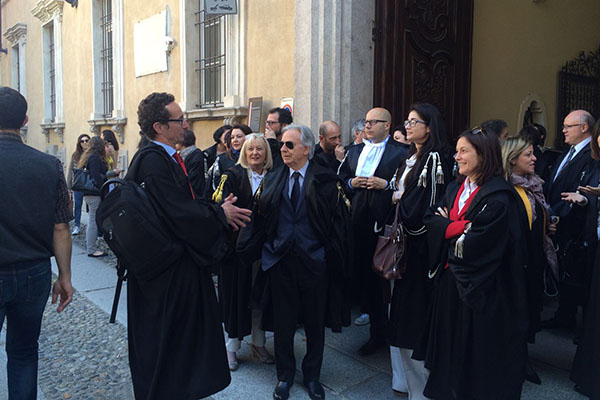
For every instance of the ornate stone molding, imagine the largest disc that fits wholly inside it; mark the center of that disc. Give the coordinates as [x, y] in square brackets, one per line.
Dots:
[117, 125]
[16, 33]
[45, 10]
[57, 127]
[230, 115]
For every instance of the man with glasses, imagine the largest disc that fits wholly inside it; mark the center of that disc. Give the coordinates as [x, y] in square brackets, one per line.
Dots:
[368, 171]
[176, 344]
[305, 252]
[560, 190]
[277, 119]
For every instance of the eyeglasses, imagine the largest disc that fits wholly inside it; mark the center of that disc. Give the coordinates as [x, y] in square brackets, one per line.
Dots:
[567, 127]
[84, 140]
[374, 121]
[413, 122]
[270, 123]
[289, 145]
[180, 120]
[477, 130]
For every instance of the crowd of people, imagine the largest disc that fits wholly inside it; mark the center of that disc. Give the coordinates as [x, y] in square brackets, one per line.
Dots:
[290, 226]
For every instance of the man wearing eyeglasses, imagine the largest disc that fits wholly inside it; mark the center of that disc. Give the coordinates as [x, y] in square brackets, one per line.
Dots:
[305, 225]
[277, 119]
[561, 194]
[367, 172]
[176, 344]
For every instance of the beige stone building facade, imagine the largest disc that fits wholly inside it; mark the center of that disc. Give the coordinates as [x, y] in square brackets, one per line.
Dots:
[85, 68]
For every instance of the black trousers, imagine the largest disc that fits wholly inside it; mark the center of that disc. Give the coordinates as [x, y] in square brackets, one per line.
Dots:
[372, 287]
[298, 295]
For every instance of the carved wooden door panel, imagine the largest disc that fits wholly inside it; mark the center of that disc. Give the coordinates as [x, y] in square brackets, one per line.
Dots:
[423, 54]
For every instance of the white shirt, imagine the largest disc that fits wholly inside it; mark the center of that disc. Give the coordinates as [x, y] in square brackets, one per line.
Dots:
[255, 180]
[369, 158]
[470, 187]
[578, 147]
[302, 172]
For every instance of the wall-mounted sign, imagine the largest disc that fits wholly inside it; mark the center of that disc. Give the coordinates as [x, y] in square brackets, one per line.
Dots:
[220, 6]
[288, 104]
[255, 113]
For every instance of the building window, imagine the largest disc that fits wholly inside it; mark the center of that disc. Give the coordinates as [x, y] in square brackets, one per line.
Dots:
[210, 64]
[51, 72]
[17, 36]
[16, 68]
[106, 58]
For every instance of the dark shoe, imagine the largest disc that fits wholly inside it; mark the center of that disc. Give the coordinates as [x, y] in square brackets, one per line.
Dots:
[531, 375]
[398, 393]
[95, 255]
[282, 391]
[555, 323]
[315, 390]
[371, 347]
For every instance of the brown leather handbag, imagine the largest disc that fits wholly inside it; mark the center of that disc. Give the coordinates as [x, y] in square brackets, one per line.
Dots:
[389, 257]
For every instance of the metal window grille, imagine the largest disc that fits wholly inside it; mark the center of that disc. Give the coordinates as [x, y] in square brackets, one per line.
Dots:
[106, 58]
[210, 65]
[52, 73]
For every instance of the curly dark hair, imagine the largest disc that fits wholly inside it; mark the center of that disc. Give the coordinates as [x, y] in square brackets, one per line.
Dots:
[152, 109]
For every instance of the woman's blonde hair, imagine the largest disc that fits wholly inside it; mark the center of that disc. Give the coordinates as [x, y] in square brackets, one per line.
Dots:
[251, 138]
[512, 148]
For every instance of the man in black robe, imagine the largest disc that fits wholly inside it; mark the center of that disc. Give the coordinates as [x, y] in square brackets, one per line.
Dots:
[568, 173]
[367, 171]
[176, 345]
[329, 152]
[195, 162]
[304, 220]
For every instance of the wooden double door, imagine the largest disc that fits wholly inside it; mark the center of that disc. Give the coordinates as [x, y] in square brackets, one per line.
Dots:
[423, 54]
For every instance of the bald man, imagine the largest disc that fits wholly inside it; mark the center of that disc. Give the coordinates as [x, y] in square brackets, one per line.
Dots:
[329, 152]
[367, 171]
[570, 171]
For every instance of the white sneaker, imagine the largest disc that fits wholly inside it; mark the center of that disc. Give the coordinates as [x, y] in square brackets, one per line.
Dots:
[75, 231]
[362, 320]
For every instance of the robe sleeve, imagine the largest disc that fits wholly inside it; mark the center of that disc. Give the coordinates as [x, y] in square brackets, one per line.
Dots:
[455, 229]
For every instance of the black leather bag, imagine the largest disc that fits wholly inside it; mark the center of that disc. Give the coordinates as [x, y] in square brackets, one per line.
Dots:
[83, 182]
[389, 257]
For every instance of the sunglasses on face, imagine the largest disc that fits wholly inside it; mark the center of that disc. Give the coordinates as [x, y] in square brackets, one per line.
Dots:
[289, 145]
[84, 140]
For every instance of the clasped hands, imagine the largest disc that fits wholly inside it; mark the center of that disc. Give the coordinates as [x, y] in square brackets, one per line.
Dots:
[372, 182]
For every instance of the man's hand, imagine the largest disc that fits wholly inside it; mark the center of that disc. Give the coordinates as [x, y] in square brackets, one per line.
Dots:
[339, 153]
[374, 182]
[236, 217]
[573, 198]
[590, 190]
[269, 133]
[359, 182]
[442, 212]
[62, 287]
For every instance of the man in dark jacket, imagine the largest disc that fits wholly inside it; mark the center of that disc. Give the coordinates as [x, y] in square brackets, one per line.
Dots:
[304, 221]
[34, 226]
[277, 119]
[329, 147]
[367, 172]
[195, 162]
[176, 345]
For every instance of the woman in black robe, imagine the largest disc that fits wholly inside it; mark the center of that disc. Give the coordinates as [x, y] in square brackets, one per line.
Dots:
[234, 139]
[235, 275]
[586, 365]
[422, 182]
[475, 346]
[519, 163]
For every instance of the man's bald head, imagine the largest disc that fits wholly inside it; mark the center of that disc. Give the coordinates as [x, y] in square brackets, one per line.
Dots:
[377, 124]
[329, 136]
[577, 126]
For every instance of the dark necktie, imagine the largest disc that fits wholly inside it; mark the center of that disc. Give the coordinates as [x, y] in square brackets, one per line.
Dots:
[295, 197]
[569, 157]
[179, 160]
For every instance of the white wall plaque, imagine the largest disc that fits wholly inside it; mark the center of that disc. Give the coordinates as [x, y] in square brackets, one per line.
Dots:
[220, 6]
[150, 45]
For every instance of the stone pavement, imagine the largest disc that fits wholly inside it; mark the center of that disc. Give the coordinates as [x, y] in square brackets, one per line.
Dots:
[82, 356]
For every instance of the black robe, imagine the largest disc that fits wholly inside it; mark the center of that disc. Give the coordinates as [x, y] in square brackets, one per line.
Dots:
[412, 293]
[221, 164]
[176, 345]
[328, 211]
[475, 346]
[196, 167]
[235, 275]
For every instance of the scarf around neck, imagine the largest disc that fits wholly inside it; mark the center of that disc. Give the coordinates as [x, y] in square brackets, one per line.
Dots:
[532, 184]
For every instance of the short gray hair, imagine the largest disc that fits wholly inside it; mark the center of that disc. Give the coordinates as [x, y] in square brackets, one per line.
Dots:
[588, 119]
[306, 136]
[358, 126]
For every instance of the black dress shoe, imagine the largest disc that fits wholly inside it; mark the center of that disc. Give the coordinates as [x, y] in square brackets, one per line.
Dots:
[370, 347]
[282, 390]
[315, 390]
[555, 323]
